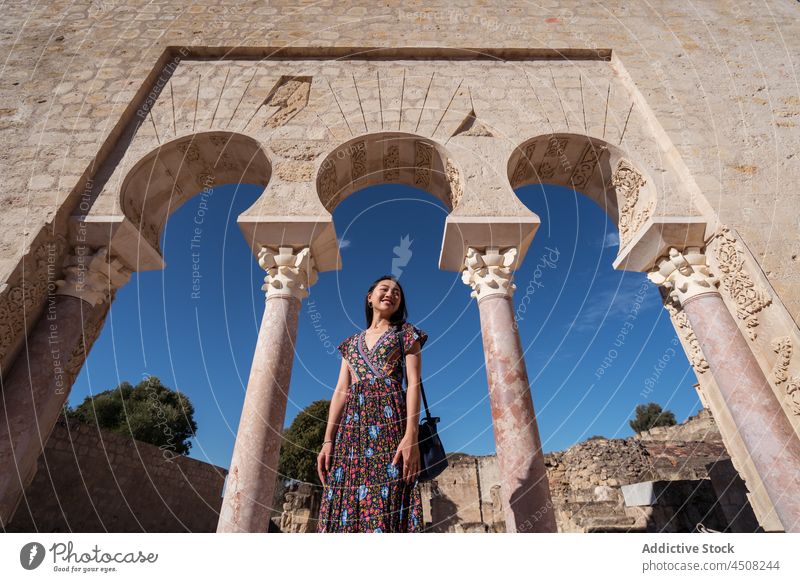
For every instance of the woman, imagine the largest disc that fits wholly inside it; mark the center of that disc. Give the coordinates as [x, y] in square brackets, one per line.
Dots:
[369, 463]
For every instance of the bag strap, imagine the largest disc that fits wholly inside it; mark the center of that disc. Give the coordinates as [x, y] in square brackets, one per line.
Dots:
[405, 378]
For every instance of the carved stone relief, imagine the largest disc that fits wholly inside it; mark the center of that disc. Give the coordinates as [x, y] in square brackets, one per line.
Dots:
[522, 171]
[27, 289]
[290, 96]
[555, 150]
[358, 160]
[91, 332]
[328, 185]
[190, 151]
[423, 162]
[681, 322]
[791, 384]
[456, 187]
[585, 167]
[391, 163]
[738, 284]
[628, 183]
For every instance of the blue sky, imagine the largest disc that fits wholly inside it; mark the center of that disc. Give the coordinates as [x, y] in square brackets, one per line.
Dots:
[597, 341]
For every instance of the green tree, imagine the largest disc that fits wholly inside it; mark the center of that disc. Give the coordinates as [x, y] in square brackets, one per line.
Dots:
[302, 442]
[150, 412]
[650, 415]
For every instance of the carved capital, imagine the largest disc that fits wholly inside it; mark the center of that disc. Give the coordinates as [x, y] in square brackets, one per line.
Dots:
[289, 272]
[489, 272]
[92, 275]
[684, 274]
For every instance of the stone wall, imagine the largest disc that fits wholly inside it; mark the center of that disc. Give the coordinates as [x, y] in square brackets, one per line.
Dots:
[680, 477]
[99, 481]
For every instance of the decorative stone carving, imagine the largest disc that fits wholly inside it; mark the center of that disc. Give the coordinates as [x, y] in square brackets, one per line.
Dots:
[91, 332]
[205, 179]
[628, 183]
[556, 147]
[290, 96]
[684, 274]
[391, 163]
[289, 272]
[585, 167]
[681, 322]
[555, 150]
[190, 151]
[489, 272]
[328, 185]
[737, 283]
[522, 171]
[225, 162]
[783, 347]
[423, 161]
[456, 187]
[92, 276]
[220, 141]
[358, 160]
[27, 289]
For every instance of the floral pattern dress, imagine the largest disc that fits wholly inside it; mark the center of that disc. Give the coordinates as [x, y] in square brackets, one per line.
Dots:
[365, 492]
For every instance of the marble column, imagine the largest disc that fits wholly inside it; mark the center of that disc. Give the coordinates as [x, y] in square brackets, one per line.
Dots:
[525, 489]
[760, 419]
[39, 382]
[250, 486]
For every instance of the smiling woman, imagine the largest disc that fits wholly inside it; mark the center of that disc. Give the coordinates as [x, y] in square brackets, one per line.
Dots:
[369, 470]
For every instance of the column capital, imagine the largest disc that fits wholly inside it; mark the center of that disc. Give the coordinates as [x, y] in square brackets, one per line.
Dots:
[290, 272]
[488, 271]
[92, 275]
[684, 274]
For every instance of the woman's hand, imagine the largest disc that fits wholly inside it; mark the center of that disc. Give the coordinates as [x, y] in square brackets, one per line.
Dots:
[408, 451]
[324, 461]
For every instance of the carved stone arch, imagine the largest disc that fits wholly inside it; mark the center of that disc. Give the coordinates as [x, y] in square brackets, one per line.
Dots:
[178, 170]
[389, 158]
[613, 179]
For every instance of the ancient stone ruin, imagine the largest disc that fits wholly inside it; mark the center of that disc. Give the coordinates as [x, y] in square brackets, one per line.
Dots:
[668, 479]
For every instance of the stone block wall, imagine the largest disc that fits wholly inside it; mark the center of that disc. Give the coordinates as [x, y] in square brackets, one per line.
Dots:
[91, 480]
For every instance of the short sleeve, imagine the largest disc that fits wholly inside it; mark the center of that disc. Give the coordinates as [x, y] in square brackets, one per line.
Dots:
[343, 347]
[412, 333]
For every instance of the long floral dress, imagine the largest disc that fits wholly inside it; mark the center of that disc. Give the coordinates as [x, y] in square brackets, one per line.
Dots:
[365, 492]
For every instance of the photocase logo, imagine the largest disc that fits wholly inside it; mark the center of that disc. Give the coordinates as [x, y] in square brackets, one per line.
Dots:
[31, 555]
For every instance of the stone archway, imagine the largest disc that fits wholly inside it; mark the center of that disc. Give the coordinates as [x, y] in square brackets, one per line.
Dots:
[293, 248]
[389, 158]
[173, 173]
[107, 245]
[672, 250]
[602, 172]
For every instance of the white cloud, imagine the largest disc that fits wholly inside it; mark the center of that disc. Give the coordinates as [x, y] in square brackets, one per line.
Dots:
[610, 306]
[344, 243]
[611, 240]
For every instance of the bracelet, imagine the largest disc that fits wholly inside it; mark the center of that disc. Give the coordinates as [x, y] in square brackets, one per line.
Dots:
[323, 442]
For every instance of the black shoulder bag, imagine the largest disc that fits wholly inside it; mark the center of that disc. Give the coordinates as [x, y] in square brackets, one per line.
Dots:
[433, 459]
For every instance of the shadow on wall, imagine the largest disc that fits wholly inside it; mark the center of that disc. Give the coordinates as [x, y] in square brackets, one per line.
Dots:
[90, 481]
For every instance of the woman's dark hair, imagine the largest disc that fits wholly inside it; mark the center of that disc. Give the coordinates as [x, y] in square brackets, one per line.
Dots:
[401, 313]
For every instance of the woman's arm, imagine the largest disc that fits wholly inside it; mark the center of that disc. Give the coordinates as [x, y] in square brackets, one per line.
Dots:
[338, 401]
[413, 374]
